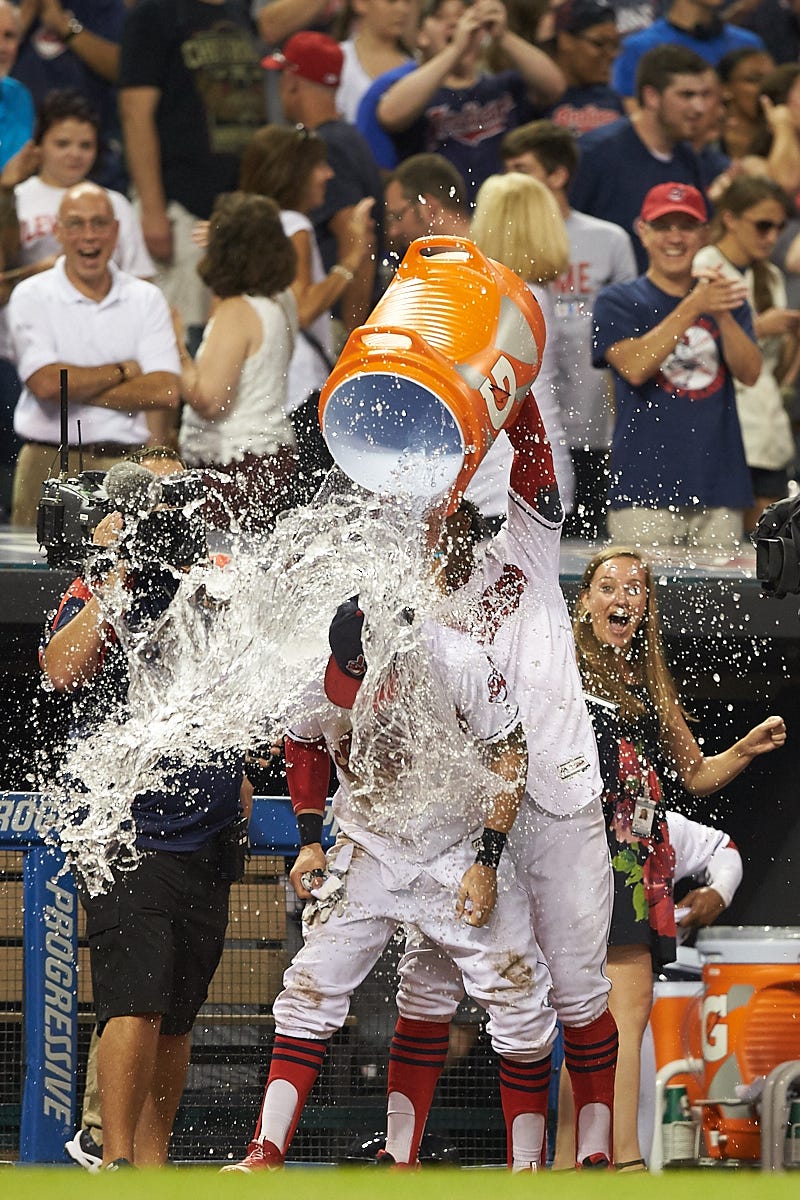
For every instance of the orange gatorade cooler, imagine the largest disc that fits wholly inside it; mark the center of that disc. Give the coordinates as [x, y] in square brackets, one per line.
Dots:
[750, 1024]
[675, 1026]
[421, 391]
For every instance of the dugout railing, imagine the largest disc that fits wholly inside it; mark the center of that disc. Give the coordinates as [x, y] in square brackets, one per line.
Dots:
[46, 1020]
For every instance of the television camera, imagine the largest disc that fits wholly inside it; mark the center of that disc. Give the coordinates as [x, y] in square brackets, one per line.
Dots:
[777, 542]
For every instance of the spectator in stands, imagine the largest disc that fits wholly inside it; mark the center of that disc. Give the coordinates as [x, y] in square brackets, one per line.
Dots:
[621, 162]
[518, 223]
[374, 33]
[311, 67]
[750, 215]
[234, 421]
[675, 342]
[424, 196]
[77, 48]
[586, 44]
[66, 139]
[180, 64]
[778, 147]
[156, 936]
[16, 104]
[456, 109]
[694, 24]
[110, 331]
[291, 166]
[741, 74]
[599, 254]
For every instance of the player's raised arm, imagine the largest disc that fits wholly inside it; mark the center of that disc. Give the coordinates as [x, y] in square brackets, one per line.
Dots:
[533, 474]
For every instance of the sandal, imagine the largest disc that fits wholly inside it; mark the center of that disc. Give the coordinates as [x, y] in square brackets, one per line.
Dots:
[634, 1165]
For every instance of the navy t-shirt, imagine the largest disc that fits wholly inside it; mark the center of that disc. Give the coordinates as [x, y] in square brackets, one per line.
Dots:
[196, 801]
[616, 171]
[582, 109]
[204, 60]
[355, 176]
[676, 437]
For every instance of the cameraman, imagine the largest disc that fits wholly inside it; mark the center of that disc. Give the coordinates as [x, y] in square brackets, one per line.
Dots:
[156, 937]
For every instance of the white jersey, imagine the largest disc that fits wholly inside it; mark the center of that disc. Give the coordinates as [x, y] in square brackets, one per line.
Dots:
[518, 613]
[407, 836]
[706, 853]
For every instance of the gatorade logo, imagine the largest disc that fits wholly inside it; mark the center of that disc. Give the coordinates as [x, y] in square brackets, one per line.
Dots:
[714, 1029]
[498, 389]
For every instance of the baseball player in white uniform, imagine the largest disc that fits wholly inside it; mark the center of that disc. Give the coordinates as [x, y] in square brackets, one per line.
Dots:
[401, 859]
[512, 604]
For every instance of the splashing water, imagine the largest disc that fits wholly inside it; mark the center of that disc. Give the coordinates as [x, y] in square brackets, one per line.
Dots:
[241, 650]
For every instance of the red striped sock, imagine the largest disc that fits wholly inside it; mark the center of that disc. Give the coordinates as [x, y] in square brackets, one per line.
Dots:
[590, 1056]
[293, 1070]
[416, 1058]
[523, 1092]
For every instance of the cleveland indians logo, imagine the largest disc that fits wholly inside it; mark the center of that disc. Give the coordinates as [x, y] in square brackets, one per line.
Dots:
[498, 389]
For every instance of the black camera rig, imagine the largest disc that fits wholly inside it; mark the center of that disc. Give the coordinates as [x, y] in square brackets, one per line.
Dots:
[777, 543]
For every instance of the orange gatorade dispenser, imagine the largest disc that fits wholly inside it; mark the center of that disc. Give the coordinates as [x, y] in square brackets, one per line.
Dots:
[750, 1024]
[421, 391]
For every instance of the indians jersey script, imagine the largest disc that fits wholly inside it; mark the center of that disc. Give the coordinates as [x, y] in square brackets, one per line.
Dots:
[408, 827]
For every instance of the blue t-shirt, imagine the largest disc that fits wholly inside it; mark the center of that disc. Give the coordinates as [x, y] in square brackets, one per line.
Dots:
[196, 801]
[387, 148]
[661, 33]
[676, 437]
[16, 118]
[582, 109]
[616, 171]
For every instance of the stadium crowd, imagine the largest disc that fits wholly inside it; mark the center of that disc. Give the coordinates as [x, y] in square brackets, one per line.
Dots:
[265, 167]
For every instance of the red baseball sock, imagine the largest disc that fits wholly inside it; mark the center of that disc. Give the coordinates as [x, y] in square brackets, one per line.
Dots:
[293, 1070]
[523, 1091]
[590, 1056]
[416, 1058]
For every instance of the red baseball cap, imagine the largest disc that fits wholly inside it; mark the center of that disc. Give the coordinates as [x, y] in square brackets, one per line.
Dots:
[311, 55]
[674, 198]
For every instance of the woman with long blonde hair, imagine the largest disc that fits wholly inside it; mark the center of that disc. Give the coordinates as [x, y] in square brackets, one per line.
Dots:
[517, 222]
[647, 754]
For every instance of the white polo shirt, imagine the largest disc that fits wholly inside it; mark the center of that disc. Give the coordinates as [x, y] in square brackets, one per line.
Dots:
[51, 321]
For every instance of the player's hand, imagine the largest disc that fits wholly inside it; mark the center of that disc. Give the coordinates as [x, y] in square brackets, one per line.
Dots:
[477, 895]
[769, 735]
[705, 905]
[310, 859]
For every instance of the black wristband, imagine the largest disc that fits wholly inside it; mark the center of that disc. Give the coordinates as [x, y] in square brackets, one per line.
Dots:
[309, 826]
[490, 849]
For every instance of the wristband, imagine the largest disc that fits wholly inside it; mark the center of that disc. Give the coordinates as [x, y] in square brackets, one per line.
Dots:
[345, 272]
[490, 848]
[309, 826]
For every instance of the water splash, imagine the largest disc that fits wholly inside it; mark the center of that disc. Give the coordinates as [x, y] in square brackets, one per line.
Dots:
[240, 651]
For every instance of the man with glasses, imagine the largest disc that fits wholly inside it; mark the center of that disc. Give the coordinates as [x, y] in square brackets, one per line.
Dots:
[113, 334]
[675, 340]
[585, 46]
[425, 195]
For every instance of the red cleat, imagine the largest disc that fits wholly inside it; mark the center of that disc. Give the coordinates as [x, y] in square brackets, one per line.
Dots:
[261, 1156]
